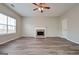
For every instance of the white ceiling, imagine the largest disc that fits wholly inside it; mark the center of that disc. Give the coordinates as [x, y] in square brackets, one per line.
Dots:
[26, 9]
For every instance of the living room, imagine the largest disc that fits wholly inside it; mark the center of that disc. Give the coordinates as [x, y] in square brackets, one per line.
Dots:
[25, 30]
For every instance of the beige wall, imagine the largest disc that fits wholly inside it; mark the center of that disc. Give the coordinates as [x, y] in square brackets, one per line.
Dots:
[51, 24]
[66, 24]
[9, 12]
[71, 24]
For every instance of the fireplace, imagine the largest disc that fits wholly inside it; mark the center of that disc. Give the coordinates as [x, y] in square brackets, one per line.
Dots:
[40, 32]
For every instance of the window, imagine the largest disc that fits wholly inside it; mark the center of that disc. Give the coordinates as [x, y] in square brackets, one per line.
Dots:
[11, 25]
[3, 24]
[7, 24]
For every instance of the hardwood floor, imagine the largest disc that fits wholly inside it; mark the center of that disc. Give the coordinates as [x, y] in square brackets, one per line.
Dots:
[32, 46]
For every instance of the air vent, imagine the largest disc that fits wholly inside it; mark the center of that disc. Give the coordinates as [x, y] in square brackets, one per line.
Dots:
[12, 5]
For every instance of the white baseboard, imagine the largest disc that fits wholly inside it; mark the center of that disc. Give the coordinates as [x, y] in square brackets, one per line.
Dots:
[27, 36]
[73, 41]
[8, 40]
[69, 39]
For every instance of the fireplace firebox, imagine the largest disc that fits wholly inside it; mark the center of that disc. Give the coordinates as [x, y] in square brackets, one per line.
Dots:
[40, 32]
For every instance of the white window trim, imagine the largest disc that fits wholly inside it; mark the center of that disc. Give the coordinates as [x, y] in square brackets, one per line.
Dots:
[7, 32]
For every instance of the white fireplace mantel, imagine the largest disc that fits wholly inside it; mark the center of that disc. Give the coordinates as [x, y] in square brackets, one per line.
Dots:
[40, 28]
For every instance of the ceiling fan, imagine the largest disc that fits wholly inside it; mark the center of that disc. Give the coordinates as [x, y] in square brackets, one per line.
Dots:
[41, 7]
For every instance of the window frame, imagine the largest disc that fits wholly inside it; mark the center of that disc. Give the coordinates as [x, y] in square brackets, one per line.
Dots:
[11, 25]
[7, 30]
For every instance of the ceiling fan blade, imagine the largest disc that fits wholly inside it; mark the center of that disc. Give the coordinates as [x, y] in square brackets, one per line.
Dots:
[35, 4]
[40, 3]
[46, 7]
[35, 9]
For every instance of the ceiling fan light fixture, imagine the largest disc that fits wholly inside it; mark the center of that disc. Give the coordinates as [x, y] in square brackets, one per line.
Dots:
[40, 9]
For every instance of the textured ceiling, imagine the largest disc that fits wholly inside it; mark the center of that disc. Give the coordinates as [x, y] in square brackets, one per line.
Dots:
[26, 9]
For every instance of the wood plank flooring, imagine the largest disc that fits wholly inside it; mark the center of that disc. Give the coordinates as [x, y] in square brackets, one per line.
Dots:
[32, 46]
